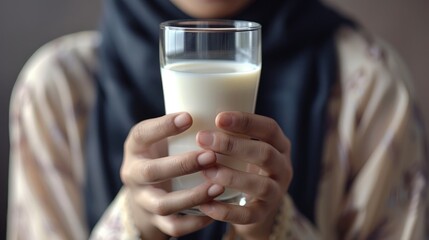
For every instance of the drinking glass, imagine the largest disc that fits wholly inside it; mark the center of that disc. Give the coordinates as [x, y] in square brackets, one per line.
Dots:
[208, 66]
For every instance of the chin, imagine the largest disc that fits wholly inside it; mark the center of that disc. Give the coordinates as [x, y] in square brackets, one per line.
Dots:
[211, 8]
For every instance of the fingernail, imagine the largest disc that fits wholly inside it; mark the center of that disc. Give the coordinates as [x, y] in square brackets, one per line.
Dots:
[182, 120]
[225, 120]
[211, 172]
[215, 190]
[206, 158]
[205, 138]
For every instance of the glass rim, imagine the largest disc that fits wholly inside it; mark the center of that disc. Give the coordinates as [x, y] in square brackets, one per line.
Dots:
[203, 25]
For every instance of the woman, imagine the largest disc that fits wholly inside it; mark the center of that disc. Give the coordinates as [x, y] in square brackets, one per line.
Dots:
[339, 151]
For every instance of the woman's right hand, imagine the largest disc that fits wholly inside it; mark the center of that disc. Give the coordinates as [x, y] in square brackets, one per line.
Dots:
[146, 172]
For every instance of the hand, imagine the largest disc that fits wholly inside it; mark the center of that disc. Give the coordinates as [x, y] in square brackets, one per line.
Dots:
[260, 142]
[146, 172]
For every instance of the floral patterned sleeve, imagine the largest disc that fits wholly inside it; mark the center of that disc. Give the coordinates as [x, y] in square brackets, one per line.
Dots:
[374, 178]
[49, 104]
[373, 182]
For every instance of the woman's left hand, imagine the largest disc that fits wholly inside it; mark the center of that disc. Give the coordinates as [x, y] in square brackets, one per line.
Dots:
[258, 141]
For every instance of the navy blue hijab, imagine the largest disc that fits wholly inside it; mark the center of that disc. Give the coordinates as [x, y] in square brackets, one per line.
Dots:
[299, 69]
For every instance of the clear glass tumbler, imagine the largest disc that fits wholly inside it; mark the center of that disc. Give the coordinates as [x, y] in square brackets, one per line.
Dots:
[208, 66]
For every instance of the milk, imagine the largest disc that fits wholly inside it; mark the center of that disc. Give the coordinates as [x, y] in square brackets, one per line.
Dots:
[205, 88]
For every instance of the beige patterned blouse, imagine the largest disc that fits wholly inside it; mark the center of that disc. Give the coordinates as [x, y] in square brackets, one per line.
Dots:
[374, 176]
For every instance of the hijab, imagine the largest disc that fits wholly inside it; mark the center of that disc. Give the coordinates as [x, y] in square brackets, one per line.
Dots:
[298, 70]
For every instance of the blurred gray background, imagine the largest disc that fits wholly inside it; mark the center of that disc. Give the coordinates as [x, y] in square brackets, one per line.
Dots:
[27, 24]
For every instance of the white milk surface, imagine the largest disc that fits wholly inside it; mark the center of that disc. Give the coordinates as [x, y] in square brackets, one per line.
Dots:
[205, 88]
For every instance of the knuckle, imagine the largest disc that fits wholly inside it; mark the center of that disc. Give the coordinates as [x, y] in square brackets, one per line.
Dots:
[264, 187]
[196, 200]
[165, 126]
[160, 208]
[267, 153]
[272, 124]
[246, 122]
[230, 180]
[228, 145]
[148, 173]
[226, 177]
[272, 128]
[137, 133]
[185, 166]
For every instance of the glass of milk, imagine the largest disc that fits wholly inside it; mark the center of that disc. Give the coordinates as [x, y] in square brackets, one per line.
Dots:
[208, 66]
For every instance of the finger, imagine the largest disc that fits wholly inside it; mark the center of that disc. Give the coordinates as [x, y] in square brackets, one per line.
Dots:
[148, 172]
[147, 132]
[255, 152]
[159, 202]
[179, 225]
[257, 186]
[235, 214]
[254, 126]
